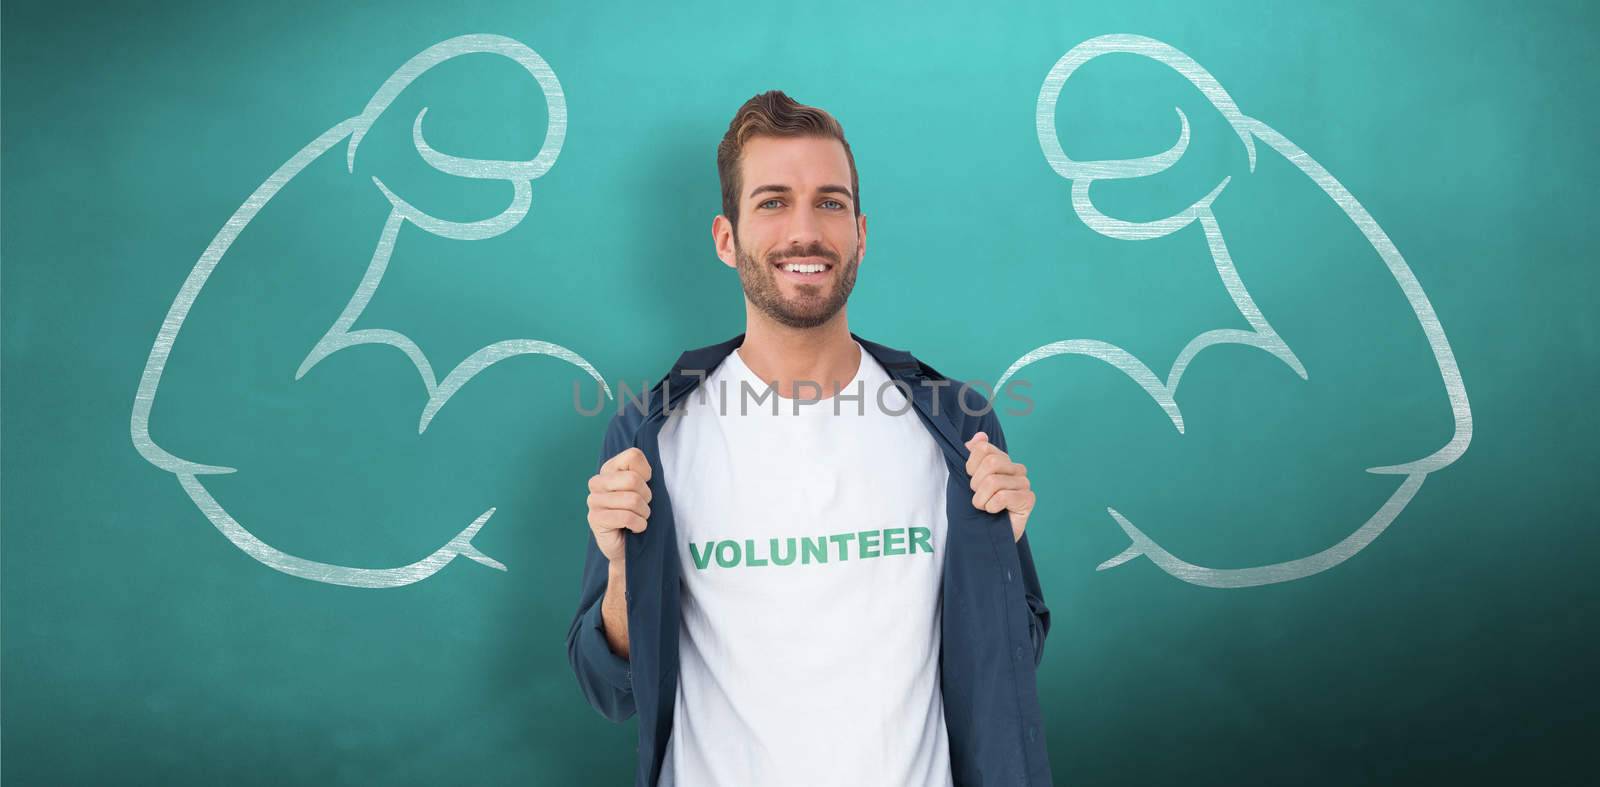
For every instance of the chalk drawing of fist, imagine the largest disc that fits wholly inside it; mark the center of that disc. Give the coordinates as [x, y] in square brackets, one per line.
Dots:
[343, 332]
[1260, 334]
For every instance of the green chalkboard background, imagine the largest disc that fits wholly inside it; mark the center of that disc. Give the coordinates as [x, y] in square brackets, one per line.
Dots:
[141, 646]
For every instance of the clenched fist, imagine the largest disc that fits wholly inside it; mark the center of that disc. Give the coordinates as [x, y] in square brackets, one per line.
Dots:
[619, 499]
[999, 484]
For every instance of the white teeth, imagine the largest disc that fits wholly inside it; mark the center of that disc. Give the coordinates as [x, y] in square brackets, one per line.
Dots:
[804, 268]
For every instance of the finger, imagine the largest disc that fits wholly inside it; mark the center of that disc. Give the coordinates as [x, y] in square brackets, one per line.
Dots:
[627, 500]
[981, 450]
[631, 459]
[991, 464]
[1016, 500]
[611, 519]
[994, 483]
[994, 487]
[621, 480]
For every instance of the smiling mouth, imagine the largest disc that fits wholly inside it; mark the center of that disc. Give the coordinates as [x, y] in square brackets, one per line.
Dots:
[804, 269]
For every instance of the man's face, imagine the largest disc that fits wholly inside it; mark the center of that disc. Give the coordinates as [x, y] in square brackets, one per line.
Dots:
[796, 213]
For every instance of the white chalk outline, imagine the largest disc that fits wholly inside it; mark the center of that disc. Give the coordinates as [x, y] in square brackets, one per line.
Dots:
[1083, 174]
[521, 174]
[340, 336]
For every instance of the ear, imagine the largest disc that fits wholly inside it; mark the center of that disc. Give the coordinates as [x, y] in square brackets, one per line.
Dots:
[861, 233]
[722, 239]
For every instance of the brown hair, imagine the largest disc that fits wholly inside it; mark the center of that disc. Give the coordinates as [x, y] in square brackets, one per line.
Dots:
[774, 114]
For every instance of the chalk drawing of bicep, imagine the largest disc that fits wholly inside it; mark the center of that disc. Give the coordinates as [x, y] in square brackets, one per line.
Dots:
[342, 334]
[1260, 334]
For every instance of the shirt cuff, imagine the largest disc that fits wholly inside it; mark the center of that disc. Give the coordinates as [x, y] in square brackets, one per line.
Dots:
[614, 669]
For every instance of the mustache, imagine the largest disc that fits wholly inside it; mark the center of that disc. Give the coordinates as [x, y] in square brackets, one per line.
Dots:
[814, 250]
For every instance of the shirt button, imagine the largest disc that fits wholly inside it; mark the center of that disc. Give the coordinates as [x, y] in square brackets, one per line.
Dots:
[1018, 653]
[1008, 575]
[1033, 732]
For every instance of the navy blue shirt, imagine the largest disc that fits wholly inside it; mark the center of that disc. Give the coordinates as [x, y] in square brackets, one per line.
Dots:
[994, 617]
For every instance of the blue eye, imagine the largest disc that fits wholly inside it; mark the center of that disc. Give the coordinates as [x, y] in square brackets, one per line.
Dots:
[836, 202]
[768, 202]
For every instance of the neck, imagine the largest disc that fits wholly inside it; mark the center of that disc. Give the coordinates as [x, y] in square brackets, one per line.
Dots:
[823, 356]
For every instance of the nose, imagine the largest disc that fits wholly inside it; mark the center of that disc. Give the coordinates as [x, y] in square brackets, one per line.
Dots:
[803, 229]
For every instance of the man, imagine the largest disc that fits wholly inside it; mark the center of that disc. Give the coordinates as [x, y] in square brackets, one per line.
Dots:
[812, 571]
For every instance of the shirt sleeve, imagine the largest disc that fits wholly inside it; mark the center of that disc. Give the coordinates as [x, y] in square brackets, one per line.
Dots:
[1039, 613]
[605, 678]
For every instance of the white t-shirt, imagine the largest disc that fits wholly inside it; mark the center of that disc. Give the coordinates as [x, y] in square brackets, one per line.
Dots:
[812, 547]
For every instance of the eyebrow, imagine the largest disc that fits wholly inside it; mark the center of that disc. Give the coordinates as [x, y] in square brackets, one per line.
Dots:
[780, 189]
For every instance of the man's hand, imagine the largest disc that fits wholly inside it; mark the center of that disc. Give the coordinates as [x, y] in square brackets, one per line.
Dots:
[619, 499]
[999, 484]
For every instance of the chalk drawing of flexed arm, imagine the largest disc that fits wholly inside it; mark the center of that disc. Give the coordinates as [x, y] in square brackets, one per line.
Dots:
[342, 334]
[1260, 333]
